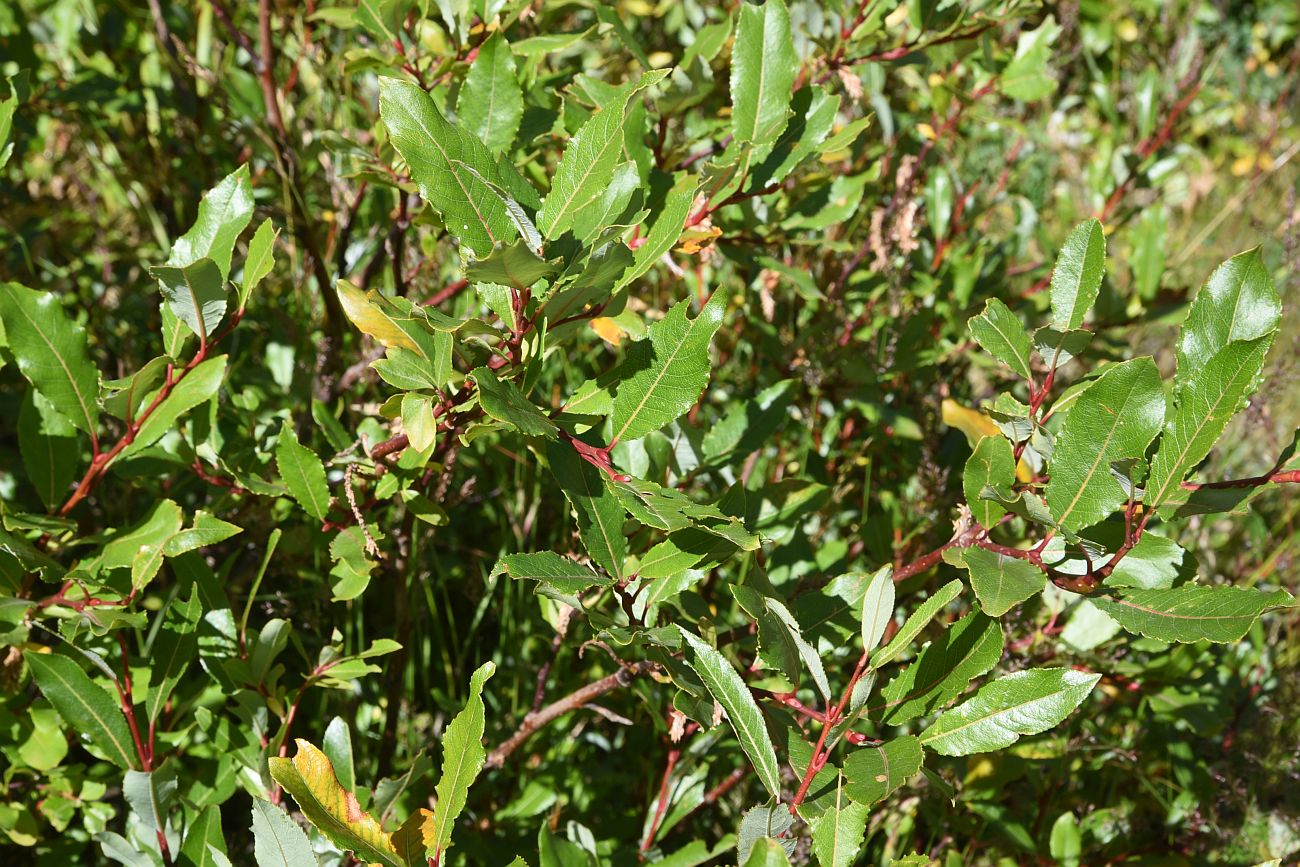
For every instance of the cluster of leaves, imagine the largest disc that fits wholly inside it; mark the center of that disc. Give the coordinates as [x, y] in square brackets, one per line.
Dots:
[696, 371]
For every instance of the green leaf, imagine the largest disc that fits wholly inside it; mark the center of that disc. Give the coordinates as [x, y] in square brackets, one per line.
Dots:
[337, 747]
[837, 833]
[47, 441]
[7, 109]
[207, 530]
[455, 171]
[767, 853]
[462, 759]
[51, 353]
[491, 102]
[1024, 703]
[334, 810]
[664, 231]
[746, 719]
[814, 113]
[763, 70]
[303, 473]
[511, 265]
[1237, 303]
[588, 163]
[171, 653]
[151, 795]
[991, 465]
[163, 521]
[874, 773]
[1205, 403]
[199, 386]
[942, 671]
[418, 421]
[224, 213]
[84, 706]
[202, 837]
[1076, 278]
[1026, 76]
[1002, 335]
[1066, 842]
[1114, 419]
[1002, 582]
[616, 205]
[782, 638]
[277, 841]
[764, 822]
[503, 401]
[748, 426]
[1193, 612]
[877, 607]
[261, 258]
[912, 627]
[196, 294]
[664, 375]
[568, 577]
[600, 514]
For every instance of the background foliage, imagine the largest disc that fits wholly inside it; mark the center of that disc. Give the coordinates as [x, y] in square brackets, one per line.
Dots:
[294, 545]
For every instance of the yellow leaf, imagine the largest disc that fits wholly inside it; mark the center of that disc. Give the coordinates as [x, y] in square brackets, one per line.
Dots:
[927, 131]
[334, 810]
[369, 319]
[975, 425]
[609, 330]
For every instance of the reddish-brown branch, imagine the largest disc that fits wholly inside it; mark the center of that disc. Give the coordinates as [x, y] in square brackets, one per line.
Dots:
[99, 464]
[446, 293]
[573, 701]
[1277, 477]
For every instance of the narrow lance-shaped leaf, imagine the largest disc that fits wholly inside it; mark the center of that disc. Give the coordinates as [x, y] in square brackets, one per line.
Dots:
[991, 465]
[84, 706]
[600, 515]
[203, 837]
[199, 385]
[462, 759]
[1024, 703]
[941, 671]
[440, 157]
[491, 102]
[1001, 581]
[261, 258]
[51, 353]
[502, 400]
[807, 653]
[303, 473]
[1193, 612]
[1076, 278]
[589, 161]
[560, 573]
[730, 691]
[665, 373]
[912, 627]
[1206, 402]
[1003, 336]
[664, 231]
[309, 778]
[1114, 419]
[877, 607]
[763, 69]
[277, 840]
